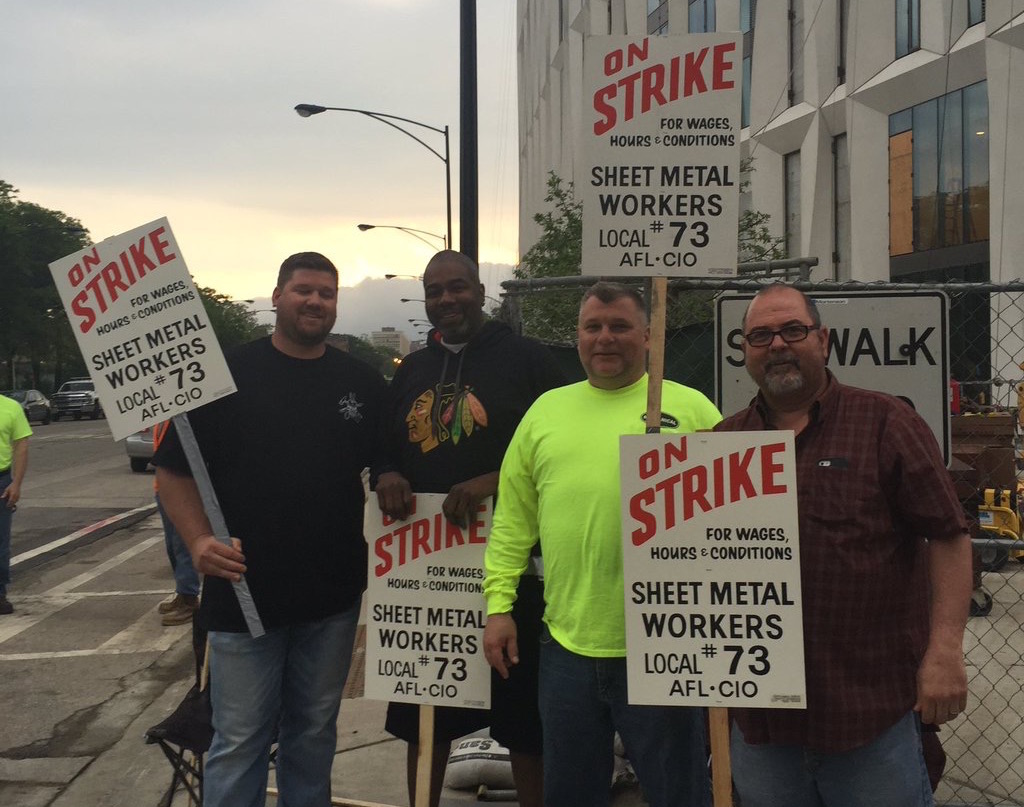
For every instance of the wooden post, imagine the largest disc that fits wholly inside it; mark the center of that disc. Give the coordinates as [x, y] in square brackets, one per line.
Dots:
[425, 760]
[721, 765]
[721, 770]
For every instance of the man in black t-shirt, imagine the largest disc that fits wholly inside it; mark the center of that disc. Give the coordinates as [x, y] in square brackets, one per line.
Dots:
[452, 410]
[285, 454]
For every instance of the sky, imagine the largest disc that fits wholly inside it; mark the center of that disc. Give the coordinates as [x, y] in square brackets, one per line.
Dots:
[119, 112]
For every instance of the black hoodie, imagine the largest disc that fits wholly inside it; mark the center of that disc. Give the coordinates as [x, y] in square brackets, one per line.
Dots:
[450, 416]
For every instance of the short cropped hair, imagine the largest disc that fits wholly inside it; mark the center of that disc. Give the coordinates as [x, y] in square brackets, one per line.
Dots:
[608, 292]
[812, 307]
[305, 260]
[450, 255]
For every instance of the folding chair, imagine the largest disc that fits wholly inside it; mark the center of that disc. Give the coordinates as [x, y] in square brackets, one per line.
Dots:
[185, 735]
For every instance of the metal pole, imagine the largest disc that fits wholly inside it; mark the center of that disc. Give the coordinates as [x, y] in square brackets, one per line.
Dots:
[448, 187]
[468, 159]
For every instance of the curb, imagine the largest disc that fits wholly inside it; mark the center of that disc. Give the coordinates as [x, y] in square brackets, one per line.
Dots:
[100, 529]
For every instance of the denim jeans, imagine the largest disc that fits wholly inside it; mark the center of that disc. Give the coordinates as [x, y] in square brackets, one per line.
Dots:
[582, 704]
[887, 772]
[5, 536]
[289, 683]
[186, 581]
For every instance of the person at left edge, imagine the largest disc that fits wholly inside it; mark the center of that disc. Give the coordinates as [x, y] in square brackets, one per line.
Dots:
[14, 434]
[285, 454]
[453, 408]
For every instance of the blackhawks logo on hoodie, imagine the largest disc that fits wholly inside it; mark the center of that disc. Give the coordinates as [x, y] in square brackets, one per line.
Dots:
[442, 413]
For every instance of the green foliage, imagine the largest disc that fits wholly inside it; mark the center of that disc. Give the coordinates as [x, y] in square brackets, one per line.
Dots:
[37, 347]
[558, 251]
[381, 358]
[756, 243]
[551, 315]
[232, 322]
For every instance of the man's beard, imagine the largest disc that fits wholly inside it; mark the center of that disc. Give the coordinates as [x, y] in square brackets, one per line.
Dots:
[788, 381]
[308, 338]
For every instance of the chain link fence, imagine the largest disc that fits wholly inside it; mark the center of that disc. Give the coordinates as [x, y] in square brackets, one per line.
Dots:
[985, 745]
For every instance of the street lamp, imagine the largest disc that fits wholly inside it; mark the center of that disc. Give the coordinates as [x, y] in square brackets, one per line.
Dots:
[307, 110]
[403, 277]
[410, 230]
[410, 300]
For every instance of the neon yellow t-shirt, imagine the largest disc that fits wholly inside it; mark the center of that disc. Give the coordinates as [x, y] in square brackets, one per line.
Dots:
[560, 483]
[13, 426]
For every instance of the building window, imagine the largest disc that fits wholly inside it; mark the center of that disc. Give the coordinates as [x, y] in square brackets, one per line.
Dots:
[796, 52]
[841, 212]
[792, 204]
[938, 172]
[657, 17]
[975, 11]
[908, 26]
[748, 10]
[844, 21]
[702, 16]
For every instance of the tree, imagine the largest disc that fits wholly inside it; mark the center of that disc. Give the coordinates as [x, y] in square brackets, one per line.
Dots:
[232, 322]
[33, 328]
[381, 358]
[557, 253]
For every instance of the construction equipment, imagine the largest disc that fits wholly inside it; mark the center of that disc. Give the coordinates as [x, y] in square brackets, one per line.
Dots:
[999, 516]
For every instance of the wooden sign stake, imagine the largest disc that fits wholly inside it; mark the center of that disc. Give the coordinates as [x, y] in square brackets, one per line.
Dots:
[721, 769]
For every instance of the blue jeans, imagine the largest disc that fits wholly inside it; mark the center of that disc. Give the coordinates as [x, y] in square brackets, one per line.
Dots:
[289, 683]
[887, 772]
[582, 704]
[5, 536]
[186, 581]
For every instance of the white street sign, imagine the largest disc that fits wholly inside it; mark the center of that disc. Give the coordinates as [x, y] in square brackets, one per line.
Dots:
[895, 342]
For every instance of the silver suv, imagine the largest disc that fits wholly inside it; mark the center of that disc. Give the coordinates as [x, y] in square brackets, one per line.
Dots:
[76, 397]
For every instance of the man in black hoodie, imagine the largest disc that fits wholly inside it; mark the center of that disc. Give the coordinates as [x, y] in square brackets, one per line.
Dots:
[452, 410]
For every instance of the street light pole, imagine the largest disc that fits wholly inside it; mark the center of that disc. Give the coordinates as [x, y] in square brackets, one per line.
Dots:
[469, 212]
[308, 110]
[410, 230]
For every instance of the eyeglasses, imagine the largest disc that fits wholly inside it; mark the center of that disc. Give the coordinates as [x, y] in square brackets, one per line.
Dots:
[762, 337]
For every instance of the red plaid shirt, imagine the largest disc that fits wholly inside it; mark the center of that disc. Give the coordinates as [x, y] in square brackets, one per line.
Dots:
[871, 488]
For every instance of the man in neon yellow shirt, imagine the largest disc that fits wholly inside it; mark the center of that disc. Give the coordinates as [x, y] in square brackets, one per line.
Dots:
[14, 434]
[560, 485]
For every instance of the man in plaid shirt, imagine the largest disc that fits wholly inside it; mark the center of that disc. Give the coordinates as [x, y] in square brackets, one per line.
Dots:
[886, 577]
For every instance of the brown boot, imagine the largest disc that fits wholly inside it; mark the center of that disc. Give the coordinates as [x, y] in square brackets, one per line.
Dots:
[182, 611]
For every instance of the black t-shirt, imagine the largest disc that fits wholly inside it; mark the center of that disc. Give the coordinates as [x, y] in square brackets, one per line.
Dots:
[285, 455]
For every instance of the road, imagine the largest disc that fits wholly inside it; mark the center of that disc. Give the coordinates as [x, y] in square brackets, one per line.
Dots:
[78, 476]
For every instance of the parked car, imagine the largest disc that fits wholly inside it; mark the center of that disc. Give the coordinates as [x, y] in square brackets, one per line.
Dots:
[36, 405]
[77, 397]
[140, 449]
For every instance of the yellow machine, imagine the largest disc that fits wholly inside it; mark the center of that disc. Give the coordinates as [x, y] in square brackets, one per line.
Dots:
[999, 515]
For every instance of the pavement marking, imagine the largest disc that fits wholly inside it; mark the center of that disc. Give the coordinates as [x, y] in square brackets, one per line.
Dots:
[85, 577]
[55, 437]
[60, 597]
[67, 539]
